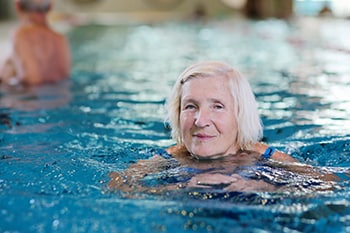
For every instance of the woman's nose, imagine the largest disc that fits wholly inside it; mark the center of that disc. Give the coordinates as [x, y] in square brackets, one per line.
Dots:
[202, 118]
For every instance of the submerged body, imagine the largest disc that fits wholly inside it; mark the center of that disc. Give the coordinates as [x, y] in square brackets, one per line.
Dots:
[246, 171]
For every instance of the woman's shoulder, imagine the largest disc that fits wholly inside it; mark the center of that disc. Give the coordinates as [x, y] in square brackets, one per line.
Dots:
[177, 150]
[270, 152]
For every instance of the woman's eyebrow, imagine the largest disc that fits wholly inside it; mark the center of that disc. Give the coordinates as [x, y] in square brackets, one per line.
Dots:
[188, 100]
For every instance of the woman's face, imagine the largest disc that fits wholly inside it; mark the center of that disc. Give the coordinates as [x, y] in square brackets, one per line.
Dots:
[207, 120]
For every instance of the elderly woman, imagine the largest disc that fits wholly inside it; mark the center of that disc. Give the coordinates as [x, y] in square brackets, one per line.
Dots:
[215, 122]
[213, 114]
[37, 54]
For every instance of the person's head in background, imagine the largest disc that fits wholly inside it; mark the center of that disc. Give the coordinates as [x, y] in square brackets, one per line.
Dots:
[33, 10]
[212, 111]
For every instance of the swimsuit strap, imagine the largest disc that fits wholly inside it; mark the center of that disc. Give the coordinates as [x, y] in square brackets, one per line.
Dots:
[164, 154]
[268, 152]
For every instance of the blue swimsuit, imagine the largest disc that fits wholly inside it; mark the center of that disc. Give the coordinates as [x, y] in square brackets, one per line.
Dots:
[268, 152]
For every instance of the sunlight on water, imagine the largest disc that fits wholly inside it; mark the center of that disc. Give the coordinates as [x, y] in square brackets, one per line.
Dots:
[58, 145]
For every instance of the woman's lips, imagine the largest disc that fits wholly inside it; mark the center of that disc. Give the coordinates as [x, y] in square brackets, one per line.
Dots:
[203, 136]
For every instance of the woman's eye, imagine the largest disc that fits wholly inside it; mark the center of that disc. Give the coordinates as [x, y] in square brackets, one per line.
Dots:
[218, 106]
[189, 106]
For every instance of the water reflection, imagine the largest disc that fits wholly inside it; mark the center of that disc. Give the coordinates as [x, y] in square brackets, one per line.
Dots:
[58, 145]
[297, 68]
[35, 98]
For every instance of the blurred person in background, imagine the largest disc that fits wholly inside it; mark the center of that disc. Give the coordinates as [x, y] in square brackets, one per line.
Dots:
[37, 54]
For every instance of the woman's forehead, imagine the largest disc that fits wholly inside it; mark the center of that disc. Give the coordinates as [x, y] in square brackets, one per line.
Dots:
[215, 87]
[206, 82]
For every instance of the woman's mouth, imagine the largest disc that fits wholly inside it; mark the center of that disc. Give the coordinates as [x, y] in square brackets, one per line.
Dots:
[203, 136]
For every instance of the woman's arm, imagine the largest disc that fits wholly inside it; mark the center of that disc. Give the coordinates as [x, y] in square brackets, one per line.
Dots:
[129, 180]
[291, 164]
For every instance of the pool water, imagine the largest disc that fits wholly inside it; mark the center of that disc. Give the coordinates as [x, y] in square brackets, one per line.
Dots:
[59, 143]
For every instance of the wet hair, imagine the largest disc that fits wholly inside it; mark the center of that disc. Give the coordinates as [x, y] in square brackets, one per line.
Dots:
[35, 5]
[246, 111]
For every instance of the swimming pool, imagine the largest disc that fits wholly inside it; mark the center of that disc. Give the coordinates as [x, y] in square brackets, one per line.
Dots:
[59, 143]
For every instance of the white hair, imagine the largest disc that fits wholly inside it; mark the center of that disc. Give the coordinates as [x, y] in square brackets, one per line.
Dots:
[35, 5]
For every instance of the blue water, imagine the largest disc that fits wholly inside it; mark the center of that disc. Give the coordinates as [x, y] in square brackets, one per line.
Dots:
[310, 7]
[59, 143]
